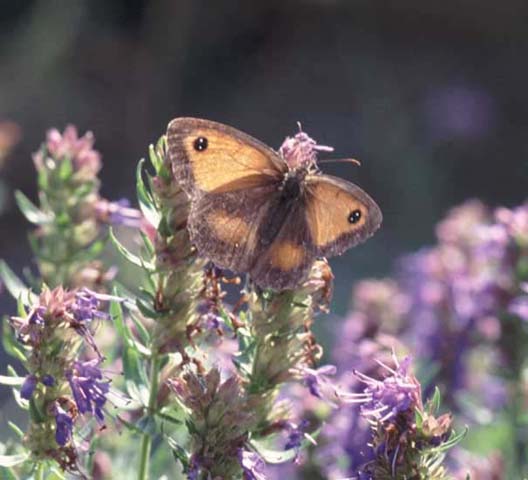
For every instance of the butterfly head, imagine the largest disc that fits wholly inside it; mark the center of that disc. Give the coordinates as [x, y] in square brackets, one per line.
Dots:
[300, 152]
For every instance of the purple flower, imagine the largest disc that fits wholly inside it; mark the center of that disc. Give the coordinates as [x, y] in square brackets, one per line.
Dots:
[48, 380]
[382, 400]
[296, 436]
[519, 307]
[118, 213]
[301, 150]
[89, 388]
[86, 309]
[64, 425]
[319, 384]
[252, 465]
[28, 387]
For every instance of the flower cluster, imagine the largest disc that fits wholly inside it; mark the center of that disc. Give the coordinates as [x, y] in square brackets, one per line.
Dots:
[219, 422]
[229, 391]
[68, 238]
[60, 385]
[408, 440]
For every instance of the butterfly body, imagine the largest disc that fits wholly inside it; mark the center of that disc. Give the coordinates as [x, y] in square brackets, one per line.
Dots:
[253, 211]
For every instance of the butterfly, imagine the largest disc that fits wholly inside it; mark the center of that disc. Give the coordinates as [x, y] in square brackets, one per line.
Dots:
[258, 211]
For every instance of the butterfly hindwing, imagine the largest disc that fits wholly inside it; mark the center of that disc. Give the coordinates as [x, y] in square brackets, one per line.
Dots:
[210, 157]
[225, 226]
[339, 214]
[284, 261]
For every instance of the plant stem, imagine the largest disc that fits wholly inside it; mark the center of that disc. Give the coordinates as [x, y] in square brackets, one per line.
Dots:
[146, 440]
[39, 474]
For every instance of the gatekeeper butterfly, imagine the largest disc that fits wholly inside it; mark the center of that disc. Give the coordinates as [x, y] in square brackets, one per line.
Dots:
[262, 212]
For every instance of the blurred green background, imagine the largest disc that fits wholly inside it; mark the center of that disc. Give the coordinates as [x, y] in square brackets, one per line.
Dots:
[431, 96]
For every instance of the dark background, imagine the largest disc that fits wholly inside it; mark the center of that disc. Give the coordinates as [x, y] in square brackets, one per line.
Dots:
[431, 96]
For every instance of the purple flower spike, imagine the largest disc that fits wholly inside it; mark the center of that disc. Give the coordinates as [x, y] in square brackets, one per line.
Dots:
[89, 388]
[28, 387]
[252, 464]
[64, 425]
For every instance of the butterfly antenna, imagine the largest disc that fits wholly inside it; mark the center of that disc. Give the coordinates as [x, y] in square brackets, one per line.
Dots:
[341, 160]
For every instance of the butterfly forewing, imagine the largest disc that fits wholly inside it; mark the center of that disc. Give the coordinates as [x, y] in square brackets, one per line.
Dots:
[210, 157]
[339, 214]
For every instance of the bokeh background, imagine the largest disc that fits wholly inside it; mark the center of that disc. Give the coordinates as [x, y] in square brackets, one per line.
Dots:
[431, 96]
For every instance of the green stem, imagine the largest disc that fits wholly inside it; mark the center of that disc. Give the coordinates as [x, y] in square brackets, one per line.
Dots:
[146, 440]
[39, 474]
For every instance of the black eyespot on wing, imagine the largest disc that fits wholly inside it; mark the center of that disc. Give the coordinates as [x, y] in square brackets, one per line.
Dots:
[355, 216]
[200, 144]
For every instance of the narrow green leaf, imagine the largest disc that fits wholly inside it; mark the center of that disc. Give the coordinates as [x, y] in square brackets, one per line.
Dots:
[143, 333]
[16, 429]
[11, 381]
[147, 310]
[12, 460]
[14, 285]
[9, 342]
[169, 418]
[156, 161]
[132, 258]
[436, 400]
[7, 474]
[32, 213]
[146, 202]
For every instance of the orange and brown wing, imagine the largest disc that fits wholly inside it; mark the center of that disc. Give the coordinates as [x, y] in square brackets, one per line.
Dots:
[225, 227]
[284, 262]
[211, 157]
[339, 214]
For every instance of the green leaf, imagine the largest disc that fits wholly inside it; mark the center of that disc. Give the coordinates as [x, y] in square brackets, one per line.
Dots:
[7, 474]
[146, 202]
[146, 309]
[12, 460]
[23, 404]
[436, 400]
[169, 418]
[9, 342]
[143, 333]
[16, 429]
[32, 213]
[179, 452]
[149, 247]
[155, 159]
[11, 381]
[116, 312]
[65, 169]
[128, 255]
[14, 285]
